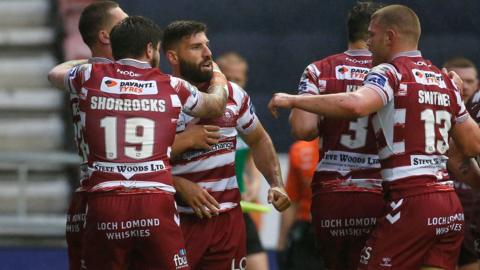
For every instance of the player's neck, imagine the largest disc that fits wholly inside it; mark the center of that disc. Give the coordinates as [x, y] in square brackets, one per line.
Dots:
[401, 48]
[358, 45]
[99, 51]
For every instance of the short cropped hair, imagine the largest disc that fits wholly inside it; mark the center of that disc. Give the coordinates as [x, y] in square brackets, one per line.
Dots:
[401, 18]
[177, 30]
[358, 20]
[93, 18]
[131, 37]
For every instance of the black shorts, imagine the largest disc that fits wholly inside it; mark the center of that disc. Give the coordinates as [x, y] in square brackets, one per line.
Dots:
[469, 250]
[301, 252]
[253, 240]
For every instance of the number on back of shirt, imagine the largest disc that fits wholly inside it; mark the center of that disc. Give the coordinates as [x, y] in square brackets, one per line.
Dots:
[432, 120]
[359, 139]
[138, 131]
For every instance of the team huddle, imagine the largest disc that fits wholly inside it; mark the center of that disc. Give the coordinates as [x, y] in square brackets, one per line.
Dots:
[158, 188]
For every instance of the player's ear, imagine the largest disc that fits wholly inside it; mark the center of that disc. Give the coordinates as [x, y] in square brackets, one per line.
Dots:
[150, 51]
[104, 37]
[172, 57]
[390, 36]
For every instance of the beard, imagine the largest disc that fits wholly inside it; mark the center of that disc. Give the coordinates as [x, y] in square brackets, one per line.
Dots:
[193, 73]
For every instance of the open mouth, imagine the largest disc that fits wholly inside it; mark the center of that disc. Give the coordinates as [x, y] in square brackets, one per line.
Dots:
[207, 64]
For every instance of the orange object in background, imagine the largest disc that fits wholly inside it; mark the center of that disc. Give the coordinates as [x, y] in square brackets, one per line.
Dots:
[303, 158]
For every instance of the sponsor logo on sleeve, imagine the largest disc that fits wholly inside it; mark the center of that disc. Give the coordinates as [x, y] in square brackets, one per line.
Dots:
[351, 73]
[376, 79]
[73, 72]
[132, 87]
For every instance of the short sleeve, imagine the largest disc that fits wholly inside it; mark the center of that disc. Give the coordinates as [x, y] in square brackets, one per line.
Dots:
[188, 95]
[76, 77]
[383, 78]
[247, 119]
[309, 81]
[461, 113]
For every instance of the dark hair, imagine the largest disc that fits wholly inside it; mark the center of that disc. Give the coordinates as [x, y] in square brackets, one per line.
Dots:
[459, 62]
[131, 37]
[177, 30]
[93, 18]
[358, 20]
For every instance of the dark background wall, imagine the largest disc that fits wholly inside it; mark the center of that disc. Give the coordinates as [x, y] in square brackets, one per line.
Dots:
[279, 38]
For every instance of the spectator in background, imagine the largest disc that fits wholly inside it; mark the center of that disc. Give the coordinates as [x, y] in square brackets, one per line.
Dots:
[469, 255]
[235, 68]
[296, 243]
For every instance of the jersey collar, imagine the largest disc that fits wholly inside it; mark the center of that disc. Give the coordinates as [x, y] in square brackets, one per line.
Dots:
[134, 62]
[408, 54]
[361, 52]
[92, 60]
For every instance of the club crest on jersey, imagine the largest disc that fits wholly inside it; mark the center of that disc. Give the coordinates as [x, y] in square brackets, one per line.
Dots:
[351, 73]
[428, 78]
[132, 87]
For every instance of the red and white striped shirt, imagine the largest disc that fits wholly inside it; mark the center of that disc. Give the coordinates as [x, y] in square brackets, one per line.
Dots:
[421, 104]
[214, 170]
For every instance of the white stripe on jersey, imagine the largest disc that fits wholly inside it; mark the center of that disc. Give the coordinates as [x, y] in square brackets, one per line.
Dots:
[419, 165]
[223, 207]
[209, 163]
[228, 132]
[220, 185]
[365, 183]
[133, 184]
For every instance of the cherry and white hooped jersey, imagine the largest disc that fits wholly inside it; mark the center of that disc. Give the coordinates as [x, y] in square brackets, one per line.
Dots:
[214, 170]
[348, 156]
[77, 125]
[129, 113]
[421, 104]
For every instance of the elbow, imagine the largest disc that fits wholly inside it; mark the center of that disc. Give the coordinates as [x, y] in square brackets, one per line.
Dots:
[356, 110]
[219, 110]
[51, 76]
[303, 133]
[356, 106]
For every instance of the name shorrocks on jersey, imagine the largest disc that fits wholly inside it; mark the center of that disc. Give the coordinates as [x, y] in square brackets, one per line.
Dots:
[128, 113]
[132, 114]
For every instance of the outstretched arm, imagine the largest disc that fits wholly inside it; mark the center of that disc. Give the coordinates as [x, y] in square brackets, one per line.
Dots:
[351, 105]
[56, 76]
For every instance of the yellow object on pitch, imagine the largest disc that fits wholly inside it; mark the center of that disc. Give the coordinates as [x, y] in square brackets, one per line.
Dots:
[253, 207]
